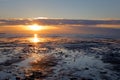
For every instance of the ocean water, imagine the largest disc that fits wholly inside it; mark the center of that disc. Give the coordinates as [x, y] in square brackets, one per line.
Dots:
[65, 53]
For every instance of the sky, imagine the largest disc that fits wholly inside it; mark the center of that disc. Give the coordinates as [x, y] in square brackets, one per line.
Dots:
[68, 9]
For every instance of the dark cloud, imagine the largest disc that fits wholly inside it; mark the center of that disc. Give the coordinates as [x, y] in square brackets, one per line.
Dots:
[57, 22]
[14, 21]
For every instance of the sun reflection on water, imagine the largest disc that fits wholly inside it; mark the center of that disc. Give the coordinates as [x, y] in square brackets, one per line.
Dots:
[35, 39]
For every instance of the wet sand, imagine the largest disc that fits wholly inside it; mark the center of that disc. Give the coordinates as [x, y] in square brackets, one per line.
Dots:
[60, 59]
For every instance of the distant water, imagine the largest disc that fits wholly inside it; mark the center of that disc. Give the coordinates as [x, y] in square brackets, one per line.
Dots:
[76, 36]
[71, 32]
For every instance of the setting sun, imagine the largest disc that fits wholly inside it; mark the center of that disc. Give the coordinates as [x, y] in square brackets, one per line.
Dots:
[35, 27]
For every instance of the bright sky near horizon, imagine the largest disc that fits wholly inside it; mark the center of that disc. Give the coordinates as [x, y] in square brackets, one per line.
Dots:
[69, 9]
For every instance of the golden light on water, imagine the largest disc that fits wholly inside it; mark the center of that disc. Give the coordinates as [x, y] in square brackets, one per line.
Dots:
[35, 39]
[35, 27]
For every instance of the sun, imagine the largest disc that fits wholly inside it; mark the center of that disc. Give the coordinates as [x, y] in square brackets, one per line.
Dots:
[35, 27]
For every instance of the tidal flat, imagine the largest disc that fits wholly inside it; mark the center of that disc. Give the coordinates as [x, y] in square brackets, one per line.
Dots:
[59, 59]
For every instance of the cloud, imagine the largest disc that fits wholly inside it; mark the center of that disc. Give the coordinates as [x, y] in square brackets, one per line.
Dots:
[14, 21]
[108, 26]
[88, 23]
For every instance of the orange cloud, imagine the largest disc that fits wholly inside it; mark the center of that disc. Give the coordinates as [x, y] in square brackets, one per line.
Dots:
[108, 26]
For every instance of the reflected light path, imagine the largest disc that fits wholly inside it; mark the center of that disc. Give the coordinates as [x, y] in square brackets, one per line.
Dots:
[35, 39]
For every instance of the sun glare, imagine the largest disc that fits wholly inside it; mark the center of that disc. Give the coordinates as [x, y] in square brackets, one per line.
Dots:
[35, 39]
[35, 27]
